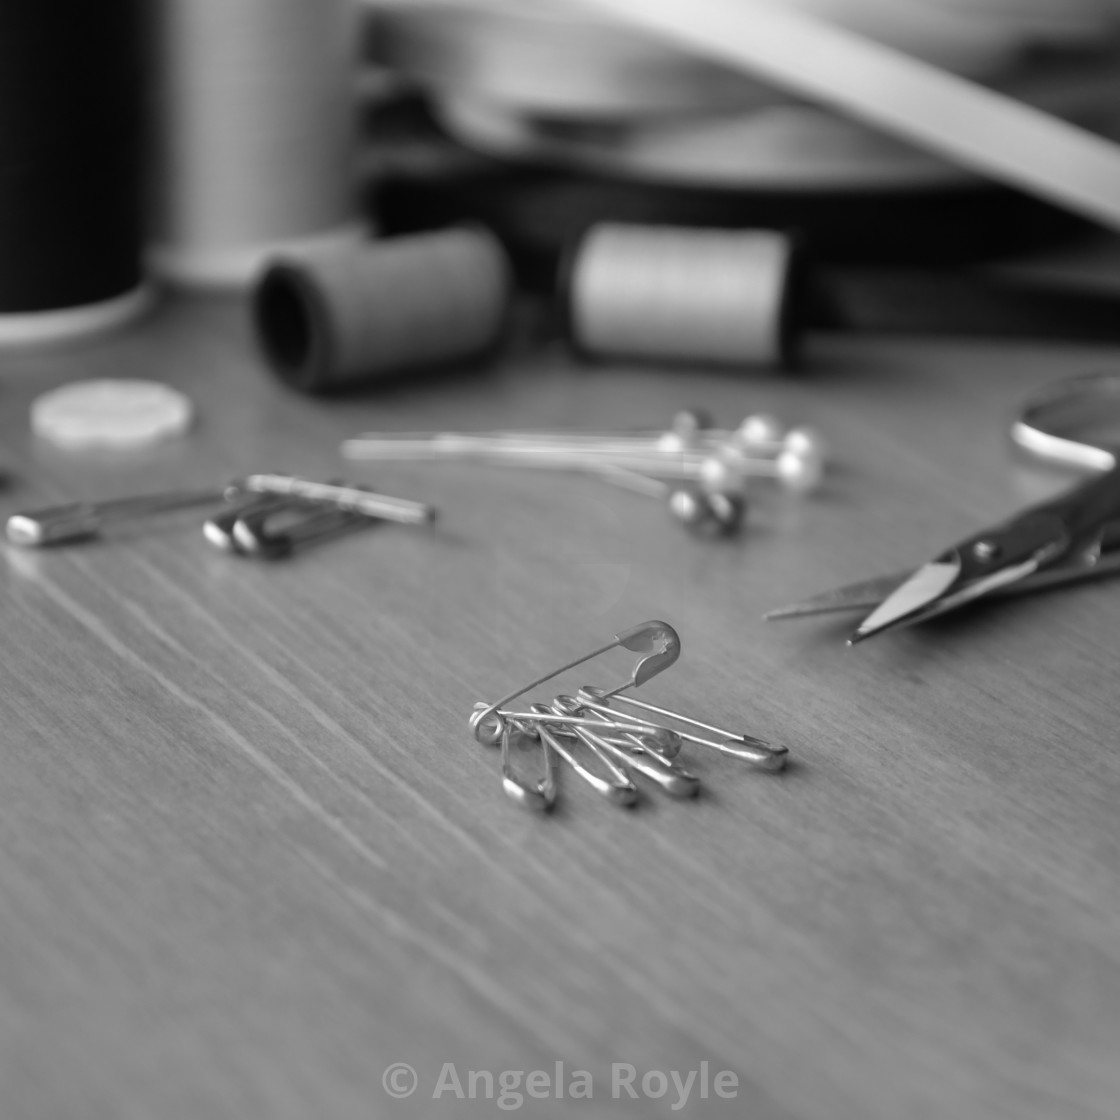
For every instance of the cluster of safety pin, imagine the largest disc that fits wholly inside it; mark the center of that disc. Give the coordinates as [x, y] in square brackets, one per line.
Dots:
[699, 471]
[267, 516]
[604, 725]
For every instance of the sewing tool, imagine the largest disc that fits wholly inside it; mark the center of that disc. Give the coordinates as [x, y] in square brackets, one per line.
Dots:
[70, 189]
[1071, 538]
[620, 745]
[73, 521]
[114, 413]
[735, 744]
[700, 473]
[666, 773]
[311, 512]
[277, 528]
[255, 125]
[660, 293]
[541, 795]
[616, 788]
[218, 528]
[723, 513]
[346, 316]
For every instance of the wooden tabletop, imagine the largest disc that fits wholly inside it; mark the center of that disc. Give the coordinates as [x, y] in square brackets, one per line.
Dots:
[251, 856]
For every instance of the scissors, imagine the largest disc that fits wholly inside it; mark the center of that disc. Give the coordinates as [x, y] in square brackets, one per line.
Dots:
[1071, 538]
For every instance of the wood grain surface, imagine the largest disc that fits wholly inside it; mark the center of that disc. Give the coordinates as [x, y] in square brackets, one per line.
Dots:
[250, 854]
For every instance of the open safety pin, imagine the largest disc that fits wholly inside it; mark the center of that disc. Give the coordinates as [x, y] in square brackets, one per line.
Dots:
[658, 641]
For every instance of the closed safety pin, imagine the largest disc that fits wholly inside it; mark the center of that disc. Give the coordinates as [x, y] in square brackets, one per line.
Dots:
[541, 795]
[758, 752]
[75, 520]
[673, 778]
[308, 512]
[218, 530]
[658, 641]
[618, 789]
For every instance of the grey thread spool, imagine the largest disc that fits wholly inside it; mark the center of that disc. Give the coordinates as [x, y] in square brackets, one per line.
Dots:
[255, 129]
[671, 294]
[335, 318]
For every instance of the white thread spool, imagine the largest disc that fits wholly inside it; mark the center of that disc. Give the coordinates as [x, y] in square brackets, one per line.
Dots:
[720, 297]
[337, 318]
[255, 131]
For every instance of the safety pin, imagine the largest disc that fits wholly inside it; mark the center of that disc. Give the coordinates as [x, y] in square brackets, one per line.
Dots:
[748, 748]
[620, 790]
[538, 797]
[218, 529]
[255, 537]
[644, 735]
[653, 737]
[673, 778]
[340, 509]
[630, 735]
[77, 520]
[660, 643]
[329, 510]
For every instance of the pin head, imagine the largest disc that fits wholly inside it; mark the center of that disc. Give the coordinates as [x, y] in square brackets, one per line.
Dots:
[722, 514]
[758, 432]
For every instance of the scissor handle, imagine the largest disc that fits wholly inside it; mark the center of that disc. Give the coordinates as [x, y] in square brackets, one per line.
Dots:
[1064, 402]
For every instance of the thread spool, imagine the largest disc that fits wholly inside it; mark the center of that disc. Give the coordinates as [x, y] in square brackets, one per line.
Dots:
[255, 132]
[70, 107]
[668, 294]
[334, 319]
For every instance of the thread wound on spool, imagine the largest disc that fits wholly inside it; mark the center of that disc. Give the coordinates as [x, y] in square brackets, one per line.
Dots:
[256, 124]
[672, 294]
[335, 319]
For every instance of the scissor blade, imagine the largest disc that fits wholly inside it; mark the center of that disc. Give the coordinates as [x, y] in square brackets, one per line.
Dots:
[864, 595]
[1097, 560]
[938, 587]
[926, 586]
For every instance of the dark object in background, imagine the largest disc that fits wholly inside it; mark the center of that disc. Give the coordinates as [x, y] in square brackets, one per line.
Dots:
[420, 179]
[885, 260]
[71, 210]
[341, 317]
